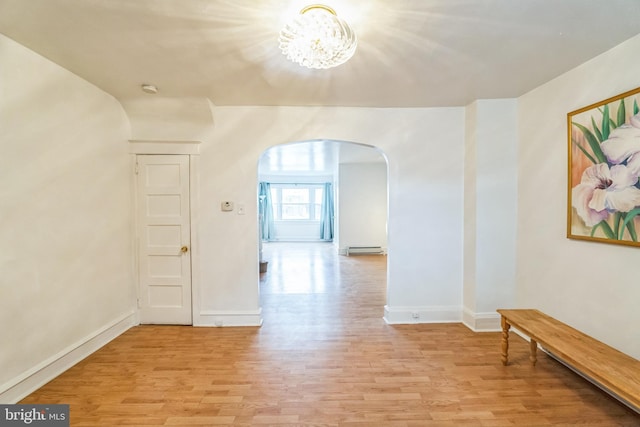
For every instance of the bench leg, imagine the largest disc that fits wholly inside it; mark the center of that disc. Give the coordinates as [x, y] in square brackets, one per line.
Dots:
[533, 347]
[505, 340]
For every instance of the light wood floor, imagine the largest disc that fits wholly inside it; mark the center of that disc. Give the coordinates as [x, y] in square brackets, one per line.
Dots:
[324, 357]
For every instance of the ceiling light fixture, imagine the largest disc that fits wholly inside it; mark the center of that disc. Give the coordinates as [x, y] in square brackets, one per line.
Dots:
[317, 38]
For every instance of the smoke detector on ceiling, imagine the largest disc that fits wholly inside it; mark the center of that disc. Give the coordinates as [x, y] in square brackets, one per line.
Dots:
[149, 89]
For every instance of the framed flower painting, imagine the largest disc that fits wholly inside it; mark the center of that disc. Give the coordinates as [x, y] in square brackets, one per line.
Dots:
[604, 171]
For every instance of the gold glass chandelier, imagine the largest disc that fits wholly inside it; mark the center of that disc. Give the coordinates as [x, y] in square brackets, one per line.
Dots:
[318, 39]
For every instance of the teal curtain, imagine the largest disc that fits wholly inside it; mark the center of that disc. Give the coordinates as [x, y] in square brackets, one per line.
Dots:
[326, 214]
[266, 212]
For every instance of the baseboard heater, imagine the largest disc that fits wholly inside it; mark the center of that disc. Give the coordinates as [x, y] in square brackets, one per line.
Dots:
[364, 250]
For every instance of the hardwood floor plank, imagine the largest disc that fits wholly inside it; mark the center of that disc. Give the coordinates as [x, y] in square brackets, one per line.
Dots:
[199, 421]
[325, 357]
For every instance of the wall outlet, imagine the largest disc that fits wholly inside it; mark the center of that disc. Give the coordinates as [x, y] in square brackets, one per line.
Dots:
[227, 206]
[415, 316]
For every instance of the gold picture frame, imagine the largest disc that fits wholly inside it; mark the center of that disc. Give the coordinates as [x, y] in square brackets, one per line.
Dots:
[604, 169]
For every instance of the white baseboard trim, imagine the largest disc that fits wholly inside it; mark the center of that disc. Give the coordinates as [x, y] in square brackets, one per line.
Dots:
[26, 383]
[229, 318]
[481, 322]
[422, 314]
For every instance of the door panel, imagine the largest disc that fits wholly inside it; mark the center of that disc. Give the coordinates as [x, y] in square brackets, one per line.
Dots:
[164, 239]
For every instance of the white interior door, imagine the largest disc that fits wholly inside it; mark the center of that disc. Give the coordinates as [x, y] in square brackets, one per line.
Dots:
[164, 239]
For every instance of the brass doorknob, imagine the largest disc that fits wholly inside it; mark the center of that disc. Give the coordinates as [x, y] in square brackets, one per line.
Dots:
[184, 249]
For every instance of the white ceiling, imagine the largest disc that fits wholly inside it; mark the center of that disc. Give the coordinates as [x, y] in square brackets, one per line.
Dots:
[314, 158]
[411, 53]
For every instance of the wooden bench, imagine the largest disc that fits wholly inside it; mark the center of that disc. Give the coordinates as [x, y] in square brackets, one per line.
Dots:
[612, 370]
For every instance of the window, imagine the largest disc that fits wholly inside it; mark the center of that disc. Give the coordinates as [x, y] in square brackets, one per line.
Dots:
[296, 202]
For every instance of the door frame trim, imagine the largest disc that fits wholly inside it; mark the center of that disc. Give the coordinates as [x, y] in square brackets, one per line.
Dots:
[139, 146]
[192, 149]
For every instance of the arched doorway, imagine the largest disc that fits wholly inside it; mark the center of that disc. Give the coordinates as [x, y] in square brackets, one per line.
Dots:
[296, 178]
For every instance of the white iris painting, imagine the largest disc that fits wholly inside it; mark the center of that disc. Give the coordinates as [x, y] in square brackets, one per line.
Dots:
[604, 171]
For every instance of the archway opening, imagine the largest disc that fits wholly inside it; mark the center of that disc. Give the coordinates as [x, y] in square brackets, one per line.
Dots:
[319, 201]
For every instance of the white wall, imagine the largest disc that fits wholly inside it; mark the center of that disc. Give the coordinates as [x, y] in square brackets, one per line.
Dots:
[362, 205]
[470, 274]
[65, 216]
[425, 152]
[592, 286]
[297, 231]
[490, 211]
